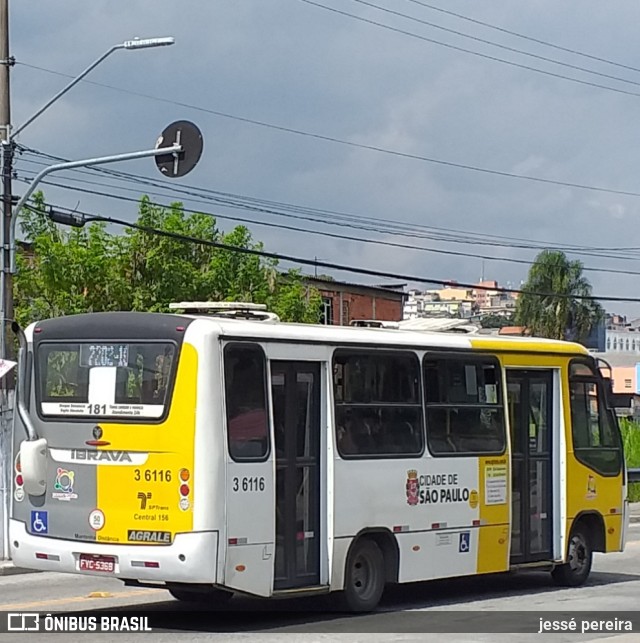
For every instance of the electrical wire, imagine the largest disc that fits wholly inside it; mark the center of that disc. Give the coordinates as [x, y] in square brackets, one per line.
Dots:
[538, 41]
[411, 34]
[325, 264]
[342, 237]
[352, 144]
[496, 44]
[336, 217]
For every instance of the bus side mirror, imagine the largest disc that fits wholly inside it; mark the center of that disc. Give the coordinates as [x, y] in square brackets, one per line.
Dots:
[33, 465]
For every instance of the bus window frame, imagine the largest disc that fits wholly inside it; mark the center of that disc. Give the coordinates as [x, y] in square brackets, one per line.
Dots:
[604, 410]
[470, 356]
[76, 419]
[389, 351]
[267, 400]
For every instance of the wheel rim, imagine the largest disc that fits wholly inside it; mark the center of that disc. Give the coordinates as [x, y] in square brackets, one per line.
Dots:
[578, 554]
[364, 577]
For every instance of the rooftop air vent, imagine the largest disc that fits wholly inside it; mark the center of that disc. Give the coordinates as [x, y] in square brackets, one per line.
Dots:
[226, 309]
[372, 323]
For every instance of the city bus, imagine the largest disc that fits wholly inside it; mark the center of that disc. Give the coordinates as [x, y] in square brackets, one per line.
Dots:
[218, 450]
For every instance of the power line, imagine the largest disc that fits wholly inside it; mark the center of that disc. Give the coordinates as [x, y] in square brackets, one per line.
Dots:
[337, 218]
[371, 224]
[363, 146]
[326, 234]
[327, 264]
[538, 41]
[496, 44]
[411, 34]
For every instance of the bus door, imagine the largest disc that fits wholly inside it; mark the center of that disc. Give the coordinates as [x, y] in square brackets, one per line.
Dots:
[250, 484]
[530, 404]
[296, 416]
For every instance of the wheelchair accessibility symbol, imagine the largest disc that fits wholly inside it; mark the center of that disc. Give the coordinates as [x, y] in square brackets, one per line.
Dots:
[465, 542]
[39, 522]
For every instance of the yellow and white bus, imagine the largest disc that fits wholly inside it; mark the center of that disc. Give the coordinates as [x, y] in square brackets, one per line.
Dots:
[212, 454]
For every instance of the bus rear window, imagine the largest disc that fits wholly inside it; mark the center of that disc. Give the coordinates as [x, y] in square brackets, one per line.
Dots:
[125, 380]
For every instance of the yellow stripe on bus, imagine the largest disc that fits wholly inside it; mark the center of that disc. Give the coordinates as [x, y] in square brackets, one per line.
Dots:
[144, 504]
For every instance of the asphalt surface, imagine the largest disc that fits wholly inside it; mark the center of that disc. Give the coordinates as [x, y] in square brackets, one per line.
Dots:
[503, 602]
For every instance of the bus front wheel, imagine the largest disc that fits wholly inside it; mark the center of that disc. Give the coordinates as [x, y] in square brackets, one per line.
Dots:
[191, 594]
[579, 558]
[364, 577]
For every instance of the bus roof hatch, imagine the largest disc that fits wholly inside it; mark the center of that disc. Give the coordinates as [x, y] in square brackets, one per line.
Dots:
[227, 309]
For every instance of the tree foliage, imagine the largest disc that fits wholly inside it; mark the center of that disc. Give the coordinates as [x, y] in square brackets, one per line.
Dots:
[557, 310]
[65, 271]
[496, 321]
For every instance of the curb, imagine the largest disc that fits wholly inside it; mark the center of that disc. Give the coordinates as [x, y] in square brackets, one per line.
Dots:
[10, 570]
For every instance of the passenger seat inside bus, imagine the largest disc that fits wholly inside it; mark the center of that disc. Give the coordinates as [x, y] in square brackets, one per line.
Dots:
[471, 435]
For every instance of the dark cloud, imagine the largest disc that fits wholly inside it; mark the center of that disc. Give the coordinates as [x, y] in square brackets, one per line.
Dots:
[287, 63]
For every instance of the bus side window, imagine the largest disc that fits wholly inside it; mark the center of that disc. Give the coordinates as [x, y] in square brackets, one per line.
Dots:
[596, 438]
[464, 404]
[245, 392]
[378, 411]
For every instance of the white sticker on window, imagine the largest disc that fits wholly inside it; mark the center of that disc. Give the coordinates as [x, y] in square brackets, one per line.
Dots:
[103, 410]
[470, 379]
[495, 483]
[102, 385]
[491, 393]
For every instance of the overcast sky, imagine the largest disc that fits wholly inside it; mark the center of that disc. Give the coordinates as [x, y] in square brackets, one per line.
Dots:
[337, 80]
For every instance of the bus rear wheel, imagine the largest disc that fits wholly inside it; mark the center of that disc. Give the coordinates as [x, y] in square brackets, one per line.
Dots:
[579, 558]
[364, 577]
[194, 594]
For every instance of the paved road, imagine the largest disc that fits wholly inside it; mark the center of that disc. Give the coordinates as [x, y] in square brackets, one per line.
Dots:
[614, 586]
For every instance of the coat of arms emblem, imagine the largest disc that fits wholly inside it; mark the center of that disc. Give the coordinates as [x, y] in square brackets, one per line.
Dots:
[412, 487]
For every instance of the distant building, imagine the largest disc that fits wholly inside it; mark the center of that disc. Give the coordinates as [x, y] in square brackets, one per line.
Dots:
[445, 302]
[485, 299]
[622, 336]
[344, 302]
[483, 295]
[625, 381]
[597, 338]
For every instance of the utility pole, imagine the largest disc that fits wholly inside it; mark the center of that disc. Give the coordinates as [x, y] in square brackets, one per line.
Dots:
[6, 62]
[6, 403]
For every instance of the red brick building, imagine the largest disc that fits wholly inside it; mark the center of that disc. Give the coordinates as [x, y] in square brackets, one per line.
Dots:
[344, 302]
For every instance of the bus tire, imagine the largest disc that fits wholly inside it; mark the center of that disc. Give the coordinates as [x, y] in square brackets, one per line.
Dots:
[579, 558]
[364, 577]
[210, 595]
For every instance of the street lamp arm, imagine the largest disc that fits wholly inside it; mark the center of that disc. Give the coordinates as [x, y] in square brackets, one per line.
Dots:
[136, 43]
[69, 165]
[64, 90]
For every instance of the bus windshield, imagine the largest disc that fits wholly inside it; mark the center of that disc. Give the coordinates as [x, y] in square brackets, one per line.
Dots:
[105, 379]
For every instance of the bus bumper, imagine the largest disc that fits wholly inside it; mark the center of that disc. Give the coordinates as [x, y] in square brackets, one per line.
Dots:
[199, 553]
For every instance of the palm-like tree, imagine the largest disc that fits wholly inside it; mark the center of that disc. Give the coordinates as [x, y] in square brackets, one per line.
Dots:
[553, 301]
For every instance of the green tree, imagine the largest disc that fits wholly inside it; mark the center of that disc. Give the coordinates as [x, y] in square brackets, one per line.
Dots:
[496, 321]
[294, 300]
[162, 269]
[65, 271]
[558, 310]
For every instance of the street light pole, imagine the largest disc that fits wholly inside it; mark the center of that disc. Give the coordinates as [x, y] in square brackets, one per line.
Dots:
[129, 44]
[8, 224]
[7, 170]
[174, 149]
[7, 230]
[5, 225]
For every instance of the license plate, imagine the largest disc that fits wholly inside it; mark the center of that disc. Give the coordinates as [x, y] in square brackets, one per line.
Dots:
[90, 563]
